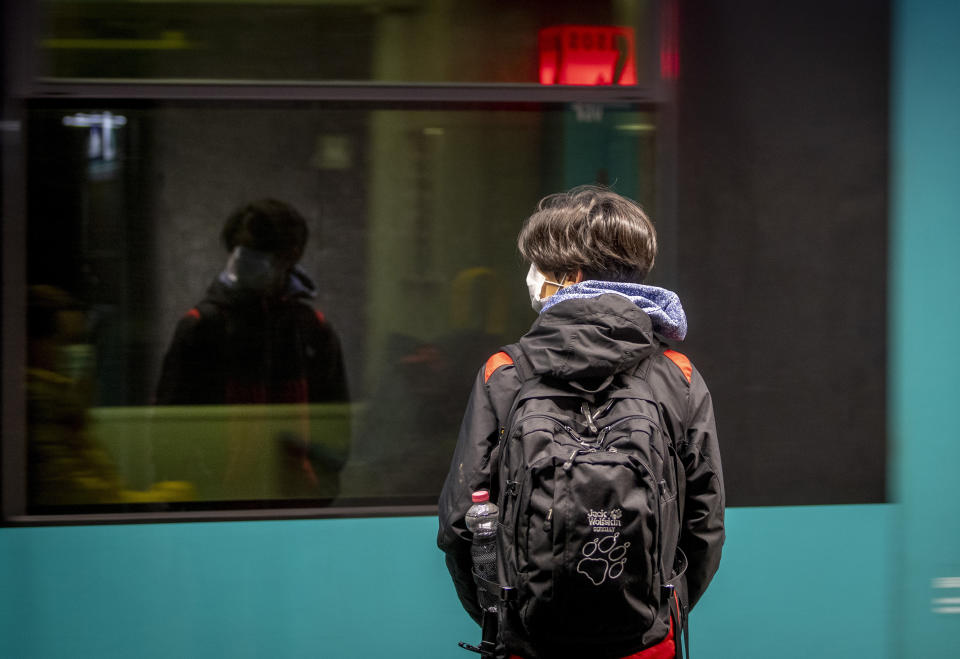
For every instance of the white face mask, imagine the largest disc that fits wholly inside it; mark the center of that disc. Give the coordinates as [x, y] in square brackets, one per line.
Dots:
[252, 269]
[535, 282]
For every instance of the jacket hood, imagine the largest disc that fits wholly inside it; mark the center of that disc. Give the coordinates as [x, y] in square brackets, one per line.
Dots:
[224, 290]
[587, 341]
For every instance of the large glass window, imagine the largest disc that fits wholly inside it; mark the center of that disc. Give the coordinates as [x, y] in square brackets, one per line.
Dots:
[156, 373]
[255, 253]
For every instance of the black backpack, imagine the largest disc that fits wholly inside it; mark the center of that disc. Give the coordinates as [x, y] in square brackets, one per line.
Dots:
[589, 520]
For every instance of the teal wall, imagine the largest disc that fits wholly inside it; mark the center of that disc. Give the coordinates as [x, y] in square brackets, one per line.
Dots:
[378, 587]
[925, 326]
[837, 581]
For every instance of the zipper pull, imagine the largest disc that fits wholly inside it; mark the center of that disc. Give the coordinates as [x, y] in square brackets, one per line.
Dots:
[548, 522]
[585, 410]
[569, 462]
[603, 436]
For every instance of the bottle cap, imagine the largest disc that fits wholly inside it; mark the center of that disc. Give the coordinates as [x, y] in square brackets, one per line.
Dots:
[480, 496]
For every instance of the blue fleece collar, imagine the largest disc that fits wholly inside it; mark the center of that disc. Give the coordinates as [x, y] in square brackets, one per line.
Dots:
[663, 306]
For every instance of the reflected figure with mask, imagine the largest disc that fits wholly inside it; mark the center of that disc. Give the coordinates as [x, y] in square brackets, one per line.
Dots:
[254, 338]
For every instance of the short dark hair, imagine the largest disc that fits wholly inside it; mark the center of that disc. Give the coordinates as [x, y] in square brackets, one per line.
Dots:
[592, 229]
[267, 225]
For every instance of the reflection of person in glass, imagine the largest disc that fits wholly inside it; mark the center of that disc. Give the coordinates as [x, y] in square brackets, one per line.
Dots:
[67, 466]
[411, 402]
[253, 338]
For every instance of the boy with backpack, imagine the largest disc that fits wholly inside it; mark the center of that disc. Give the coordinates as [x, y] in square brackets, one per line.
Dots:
[599, 445]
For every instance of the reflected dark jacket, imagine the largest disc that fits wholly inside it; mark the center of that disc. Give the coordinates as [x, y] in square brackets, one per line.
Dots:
[238, 347]
[584, 341]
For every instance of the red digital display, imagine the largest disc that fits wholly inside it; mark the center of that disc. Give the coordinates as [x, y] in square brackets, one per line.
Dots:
[587, 55]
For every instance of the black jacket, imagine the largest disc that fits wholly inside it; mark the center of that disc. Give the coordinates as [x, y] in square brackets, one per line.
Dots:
[238, 347]
[585, 342]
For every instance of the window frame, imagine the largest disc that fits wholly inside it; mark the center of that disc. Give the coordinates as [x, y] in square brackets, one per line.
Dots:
[23, 89]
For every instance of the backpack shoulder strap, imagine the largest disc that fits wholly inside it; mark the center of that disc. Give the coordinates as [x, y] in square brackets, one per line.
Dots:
[520, 361]
[526, 375]
[640, 374]
[207, 311]
[636, 381]
[679, 360]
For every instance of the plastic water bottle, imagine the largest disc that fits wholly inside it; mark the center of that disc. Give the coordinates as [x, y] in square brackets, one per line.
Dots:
[482, 521]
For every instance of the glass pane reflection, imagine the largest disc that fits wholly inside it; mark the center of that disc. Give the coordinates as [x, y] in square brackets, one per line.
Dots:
[411, 218]
[364, 40]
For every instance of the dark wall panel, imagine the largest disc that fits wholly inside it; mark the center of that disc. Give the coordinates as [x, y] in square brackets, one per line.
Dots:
[783, 240]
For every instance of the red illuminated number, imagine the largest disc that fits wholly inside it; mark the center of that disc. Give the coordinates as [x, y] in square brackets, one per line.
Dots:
[623, 56]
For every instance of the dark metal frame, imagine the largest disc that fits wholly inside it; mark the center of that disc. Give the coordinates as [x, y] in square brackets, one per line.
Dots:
[17, 25]
[241, 90]
[24, 88]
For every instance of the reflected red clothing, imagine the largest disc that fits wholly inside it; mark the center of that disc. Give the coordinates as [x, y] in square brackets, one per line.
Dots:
[236, 347]
[665, 649]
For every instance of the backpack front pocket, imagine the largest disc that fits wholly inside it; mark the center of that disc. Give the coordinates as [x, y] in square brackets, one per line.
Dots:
[594, 573]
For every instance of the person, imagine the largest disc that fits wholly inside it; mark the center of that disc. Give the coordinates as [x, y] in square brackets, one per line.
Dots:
[410, 404]
[253, 338]
[67, 465]
[590, 250]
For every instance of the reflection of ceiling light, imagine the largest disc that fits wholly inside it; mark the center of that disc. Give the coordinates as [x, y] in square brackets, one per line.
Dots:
[637, 128]
[433, 131]
[104, 119]
[101, 141]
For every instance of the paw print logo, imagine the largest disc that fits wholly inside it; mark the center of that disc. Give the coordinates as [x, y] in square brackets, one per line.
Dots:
[603, 559]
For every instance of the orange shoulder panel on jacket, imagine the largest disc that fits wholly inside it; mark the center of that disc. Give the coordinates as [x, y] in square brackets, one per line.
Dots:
[681, 361]
[495, 362]
[194, 313]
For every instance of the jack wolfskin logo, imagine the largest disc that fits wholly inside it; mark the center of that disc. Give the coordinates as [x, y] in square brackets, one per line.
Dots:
[604, 521]
[603, 559]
